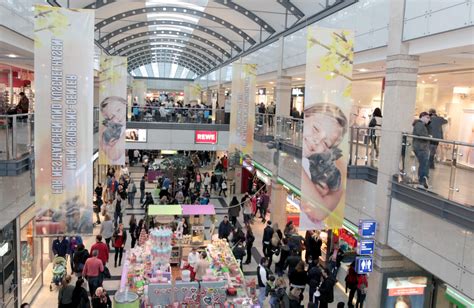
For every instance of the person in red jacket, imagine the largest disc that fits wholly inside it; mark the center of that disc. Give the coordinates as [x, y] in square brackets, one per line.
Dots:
[102, 248]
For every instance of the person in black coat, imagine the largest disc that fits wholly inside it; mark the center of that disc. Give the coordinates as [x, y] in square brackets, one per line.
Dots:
[267, 237]
[225, 228]
[239, 253]
[249, 239]
[80, 257]
[60, 246]
[284, 254]
[80, 297]
[314, 279]
[299, 278]
[234, 210]
[292, 261]
[326, 290]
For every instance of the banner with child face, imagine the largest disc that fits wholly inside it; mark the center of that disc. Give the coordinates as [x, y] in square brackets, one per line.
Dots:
[64, 77]
[242, 115]
[112, 109]
[329, 63]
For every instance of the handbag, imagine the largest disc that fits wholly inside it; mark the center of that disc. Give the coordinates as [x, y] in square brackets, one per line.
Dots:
[106, 272]
[276, 257]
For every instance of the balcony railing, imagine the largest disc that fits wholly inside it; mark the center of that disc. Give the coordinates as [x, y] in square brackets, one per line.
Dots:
[451, 178]
[364, 146]
[286, 129]
[451, 173]
[16, 135]
[177, 115]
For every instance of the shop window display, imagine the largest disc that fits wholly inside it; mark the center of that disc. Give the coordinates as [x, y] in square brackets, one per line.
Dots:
[30, 266]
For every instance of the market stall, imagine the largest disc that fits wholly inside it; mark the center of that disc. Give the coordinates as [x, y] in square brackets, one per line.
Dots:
[148, 272]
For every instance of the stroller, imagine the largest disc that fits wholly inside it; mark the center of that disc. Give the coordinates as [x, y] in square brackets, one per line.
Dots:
[59, 271]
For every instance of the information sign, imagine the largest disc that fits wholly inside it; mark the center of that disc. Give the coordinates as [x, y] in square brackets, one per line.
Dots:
[366, 247]
[367, 228]
[364, 265]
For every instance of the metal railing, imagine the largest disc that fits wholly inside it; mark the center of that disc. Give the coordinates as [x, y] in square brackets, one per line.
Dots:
[286, 129]
[448, 166]
[364, 146]
[177, 115]
[16, 135]
[453, 161]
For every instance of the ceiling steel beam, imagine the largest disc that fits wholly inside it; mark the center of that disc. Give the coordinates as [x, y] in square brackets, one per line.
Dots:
[175, 33]
[228, 3]
[174, 23]
[190, 55]
[168, 41]
[177, 10]
[168, 47]
[171, 56]
[144, 61]
[148, 60]
[293, 9]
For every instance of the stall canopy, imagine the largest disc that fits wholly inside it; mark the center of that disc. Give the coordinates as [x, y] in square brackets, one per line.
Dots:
[165, 210]
[191, 209]
[177, 209]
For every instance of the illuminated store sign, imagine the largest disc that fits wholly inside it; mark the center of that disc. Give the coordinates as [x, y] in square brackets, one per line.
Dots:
[205, 137]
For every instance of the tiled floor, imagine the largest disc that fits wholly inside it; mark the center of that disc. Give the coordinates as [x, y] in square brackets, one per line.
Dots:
[46, 297]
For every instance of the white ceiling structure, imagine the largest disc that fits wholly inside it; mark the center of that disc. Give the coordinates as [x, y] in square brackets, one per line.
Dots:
[188, 38]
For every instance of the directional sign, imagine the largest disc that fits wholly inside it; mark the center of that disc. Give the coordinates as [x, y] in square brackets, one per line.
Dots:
[366, 247]
[367, 228]
[364, 265]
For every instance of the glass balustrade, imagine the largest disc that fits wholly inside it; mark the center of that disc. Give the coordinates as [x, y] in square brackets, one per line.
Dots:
[177, 115]
[364, 146]
[451, 173]
[16, 135]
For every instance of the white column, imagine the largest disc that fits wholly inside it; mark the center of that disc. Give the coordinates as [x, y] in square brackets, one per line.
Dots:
[283, 96]
[398, 111]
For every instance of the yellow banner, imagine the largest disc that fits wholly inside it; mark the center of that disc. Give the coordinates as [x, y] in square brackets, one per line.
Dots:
[242, 116]
[329, 63]
[112, 109]
[64, 83]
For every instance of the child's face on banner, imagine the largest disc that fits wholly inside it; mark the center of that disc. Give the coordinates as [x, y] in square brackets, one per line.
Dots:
[114, 112]
[321, 133]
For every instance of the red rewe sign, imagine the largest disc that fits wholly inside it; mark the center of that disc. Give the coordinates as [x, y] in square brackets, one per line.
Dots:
[205, 136]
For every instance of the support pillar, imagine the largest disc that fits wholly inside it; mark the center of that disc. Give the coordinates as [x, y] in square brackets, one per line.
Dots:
[398, 110]
[283, 96]
[278, 204]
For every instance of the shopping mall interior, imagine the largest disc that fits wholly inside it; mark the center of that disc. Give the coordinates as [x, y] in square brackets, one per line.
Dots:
[233, 153]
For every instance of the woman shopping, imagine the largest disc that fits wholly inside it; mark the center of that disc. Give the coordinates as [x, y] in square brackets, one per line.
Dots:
[119, 240]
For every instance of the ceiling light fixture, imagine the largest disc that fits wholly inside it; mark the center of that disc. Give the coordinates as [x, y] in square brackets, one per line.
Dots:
[363, 70]
[11, 55]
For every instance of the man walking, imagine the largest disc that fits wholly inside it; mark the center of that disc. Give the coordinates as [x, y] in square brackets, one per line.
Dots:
[142, 189]
[267, 237]
[101, 248]
[262, 276]
[421, 148]
[92, 271]
[435, 129]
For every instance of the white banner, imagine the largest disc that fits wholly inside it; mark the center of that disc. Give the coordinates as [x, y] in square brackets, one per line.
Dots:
[329, 60]
[112, 110]
[64, 83]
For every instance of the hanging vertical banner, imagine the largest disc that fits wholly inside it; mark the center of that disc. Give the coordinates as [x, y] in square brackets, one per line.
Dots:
[242, 116]
[64, 77]
[327, 107]
[112, 109]
[139, 92]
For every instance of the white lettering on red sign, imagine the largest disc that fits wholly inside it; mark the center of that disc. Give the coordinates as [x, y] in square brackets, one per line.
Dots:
[206, 137]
